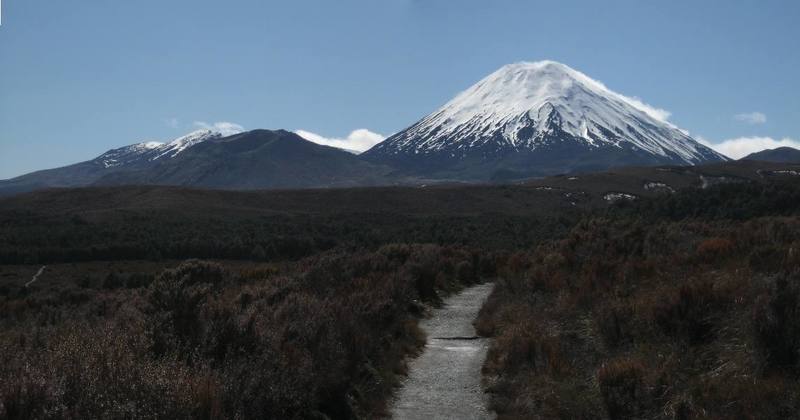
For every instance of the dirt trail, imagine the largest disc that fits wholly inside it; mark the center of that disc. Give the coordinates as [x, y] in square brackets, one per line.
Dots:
[445, 380]
[35, 276]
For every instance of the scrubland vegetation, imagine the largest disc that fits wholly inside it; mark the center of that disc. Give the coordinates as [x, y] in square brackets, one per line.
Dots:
[322, 337]
[685, 305]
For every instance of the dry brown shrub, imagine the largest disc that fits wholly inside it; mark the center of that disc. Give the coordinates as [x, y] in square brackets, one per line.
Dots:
[622, 385]
[713, 249]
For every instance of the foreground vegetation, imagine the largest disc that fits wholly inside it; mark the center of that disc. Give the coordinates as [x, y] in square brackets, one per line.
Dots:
[686, 306]
[323, 337]
[682, 305]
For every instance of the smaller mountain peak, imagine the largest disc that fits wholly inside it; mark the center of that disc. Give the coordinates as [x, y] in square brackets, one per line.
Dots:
[784, 154]
[197, 134]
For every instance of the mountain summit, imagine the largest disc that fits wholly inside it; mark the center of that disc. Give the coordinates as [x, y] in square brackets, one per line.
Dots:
[152, 150]
[540, 118]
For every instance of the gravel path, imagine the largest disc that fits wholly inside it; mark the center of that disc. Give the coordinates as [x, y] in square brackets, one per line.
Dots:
[445, 380]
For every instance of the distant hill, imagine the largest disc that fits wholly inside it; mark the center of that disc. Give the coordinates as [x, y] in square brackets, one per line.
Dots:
[781, 154]
[258, 159]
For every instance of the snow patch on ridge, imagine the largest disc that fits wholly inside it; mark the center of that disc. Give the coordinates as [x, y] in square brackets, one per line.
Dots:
[182, 143]
[154, 150]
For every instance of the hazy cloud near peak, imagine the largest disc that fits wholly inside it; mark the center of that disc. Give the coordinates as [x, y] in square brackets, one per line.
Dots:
[742, 146]
[657, 113]
[224, 127]
[357, 141]
[751, 117]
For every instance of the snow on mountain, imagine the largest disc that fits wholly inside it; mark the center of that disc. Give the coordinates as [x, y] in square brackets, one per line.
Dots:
[154, 150]
[182, 143]
[127, 154]
[540, 105]
[150, 145]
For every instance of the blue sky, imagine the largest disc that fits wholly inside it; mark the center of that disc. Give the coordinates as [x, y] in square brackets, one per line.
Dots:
[80, 77]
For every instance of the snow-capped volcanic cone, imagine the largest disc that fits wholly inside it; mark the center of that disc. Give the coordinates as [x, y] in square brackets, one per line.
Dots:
[531, 119]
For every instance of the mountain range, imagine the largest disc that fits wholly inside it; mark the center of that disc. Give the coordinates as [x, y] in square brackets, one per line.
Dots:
[524, 120]
[257, 159]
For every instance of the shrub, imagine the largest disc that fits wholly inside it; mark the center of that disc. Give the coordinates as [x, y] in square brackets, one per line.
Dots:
[712, 249]
[776, 323]
[526, 347]
[98, 371]
[623, 388]
[465, 272]
[687, 312]
[177, 298]
[766, 258]
[614, 323]
[423, 277]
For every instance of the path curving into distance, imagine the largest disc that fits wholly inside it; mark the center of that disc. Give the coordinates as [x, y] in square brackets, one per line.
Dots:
[444, 382]
[35, 276]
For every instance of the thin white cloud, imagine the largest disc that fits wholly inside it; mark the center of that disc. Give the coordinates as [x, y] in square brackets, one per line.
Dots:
[172, 122]
[654, 112]
[751, 118]
[357, 141]
[657, 113]
[740, 147]
[224, 127]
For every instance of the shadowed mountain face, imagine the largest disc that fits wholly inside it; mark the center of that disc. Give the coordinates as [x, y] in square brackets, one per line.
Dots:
[534, 119]
[249, 160]
[254, 160]
[781, 154]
